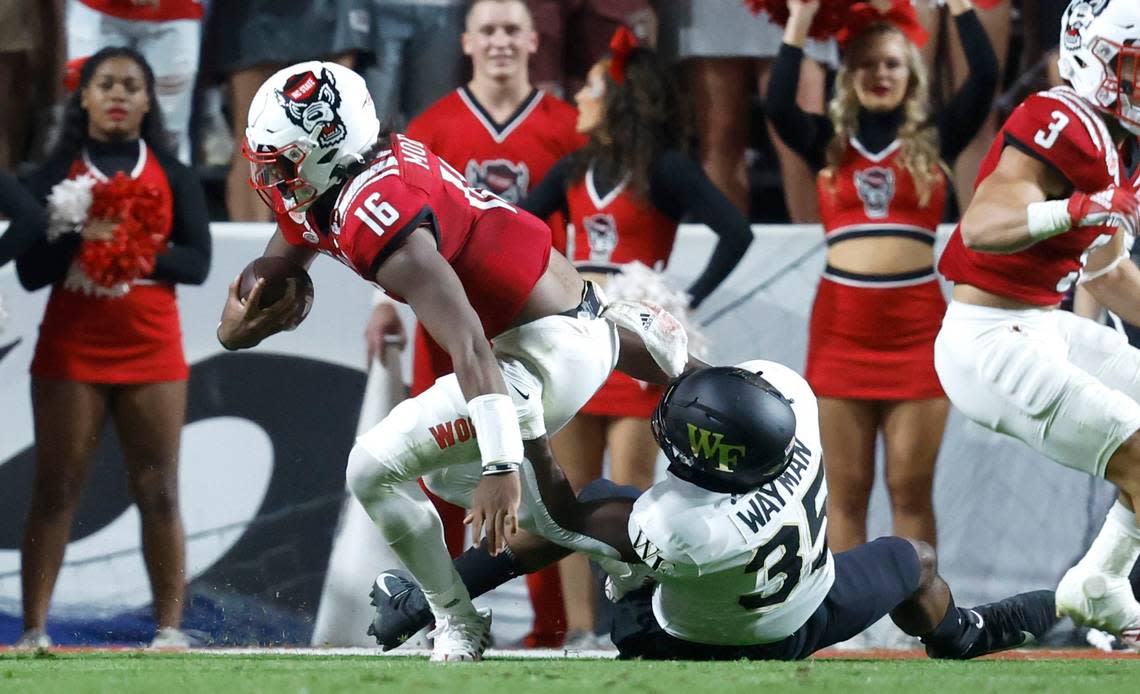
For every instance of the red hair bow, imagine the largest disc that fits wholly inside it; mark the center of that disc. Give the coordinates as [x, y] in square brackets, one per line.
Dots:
[622, 42]
[901, 14]
[71, 73]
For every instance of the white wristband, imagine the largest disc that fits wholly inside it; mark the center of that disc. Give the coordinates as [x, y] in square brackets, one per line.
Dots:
[1049, 218]
[497, 430]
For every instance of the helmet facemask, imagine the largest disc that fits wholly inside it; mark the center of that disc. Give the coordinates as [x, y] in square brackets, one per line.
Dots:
[1121, 82]
[276, 176]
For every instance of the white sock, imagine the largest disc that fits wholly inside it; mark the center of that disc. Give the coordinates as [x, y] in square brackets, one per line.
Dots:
[430, 564]
[1117, 546]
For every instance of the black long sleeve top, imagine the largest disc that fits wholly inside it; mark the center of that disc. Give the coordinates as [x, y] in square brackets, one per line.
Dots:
[186, 259]
[679, 189]
[26, 218]
[809, 134]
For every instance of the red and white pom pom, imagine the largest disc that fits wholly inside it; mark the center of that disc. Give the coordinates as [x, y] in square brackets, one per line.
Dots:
[142, 222]
[639, 282]
[68, 204]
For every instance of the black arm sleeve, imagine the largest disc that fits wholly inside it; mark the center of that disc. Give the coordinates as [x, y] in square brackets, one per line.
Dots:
[27, 220]
[187, 257]
[806, 133]
[46, 262]
[549, 196]
[961, 119]
[679, 188]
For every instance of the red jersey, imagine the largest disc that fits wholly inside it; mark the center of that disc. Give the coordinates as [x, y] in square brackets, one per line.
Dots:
[497, 250]
[875, 194]
[618, 228]
[165, 11]
[1059, 128]
[505, 159]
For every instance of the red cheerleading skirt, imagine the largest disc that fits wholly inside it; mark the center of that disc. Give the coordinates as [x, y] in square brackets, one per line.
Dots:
[875, 343]
[135, 338]
[624, 396]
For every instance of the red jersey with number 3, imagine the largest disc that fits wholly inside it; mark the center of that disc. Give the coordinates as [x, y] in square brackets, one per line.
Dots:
[497, 250]
[1062, 130]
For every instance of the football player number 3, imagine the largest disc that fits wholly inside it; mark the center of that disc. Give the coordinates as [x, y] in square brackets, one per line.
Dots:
[789, 564]
[1047, 136]
[379, 216]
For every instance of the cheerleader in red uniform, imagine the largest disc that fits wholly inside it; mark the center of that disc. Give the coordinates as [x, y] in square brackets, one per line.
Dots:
[624, 194]
[882, 188]
[110, 345]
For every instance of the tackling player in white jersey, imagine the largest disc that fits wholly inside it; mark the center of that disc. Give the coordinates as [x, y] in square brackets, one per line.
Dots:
[731, 553]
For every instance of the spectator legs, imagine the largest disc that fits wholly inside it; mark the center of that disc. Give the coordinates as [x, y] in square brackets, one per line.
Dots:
[242, 202]
[149, 419]
[912, 431]
[848, 429]
[68, 418]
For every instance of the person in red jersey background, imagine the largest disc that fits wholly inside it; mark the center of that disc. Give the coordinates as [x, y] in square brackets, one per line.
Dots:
[1054, 202]
[882, 187]
[503, 135]
[481, 275]
[111, 350]
[625, 194]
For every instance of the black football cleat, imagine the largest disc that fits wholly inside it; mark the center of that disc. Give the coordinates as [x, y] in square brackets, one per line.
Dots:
[1014, 622]
[401, 609]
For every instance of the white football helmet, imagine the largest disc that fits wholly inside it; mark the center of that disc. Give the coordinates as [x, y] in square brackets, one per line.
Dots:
[307, 124]
[1100, 55]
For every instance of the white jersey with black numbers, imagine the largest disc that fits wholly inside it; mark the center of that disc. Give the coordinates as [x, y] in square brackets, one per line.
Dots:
[748, 568]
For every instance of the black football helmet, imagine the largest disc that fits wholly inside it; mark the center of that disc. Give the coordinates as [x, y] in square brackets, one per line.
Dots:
[725, 429]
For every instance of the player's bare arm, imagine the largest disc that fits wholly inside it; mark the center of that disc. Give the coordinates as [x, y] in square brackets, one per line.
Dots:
[1114, 280]
[418, 273]
[996, 220]
[245, 323]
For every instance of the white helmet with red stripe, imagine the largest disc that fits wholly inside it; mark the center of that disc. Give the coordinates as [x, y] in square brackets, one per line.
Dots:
[1100, 56]
[307, 125]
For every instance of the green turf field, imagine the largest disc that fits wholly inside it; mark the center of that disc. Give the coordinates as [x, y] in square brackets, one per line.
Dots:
[131, 673]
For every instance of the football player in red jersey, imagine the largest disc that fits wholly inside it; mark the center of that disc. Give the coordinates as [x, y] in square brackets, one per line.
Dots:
[503, 135]
[470, 265]
[1054, 202]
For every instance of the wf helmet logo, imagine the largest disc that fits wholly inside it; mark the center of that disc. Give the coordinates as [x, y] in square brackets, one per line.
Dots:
[710, 446]
[876, 188]
[313, 102]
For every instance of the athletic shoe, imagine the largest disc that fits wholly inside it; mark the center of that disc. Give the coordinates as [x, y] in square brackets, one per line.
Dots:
[1015, 622]
[401, 609]
[587, 641]
[461, 637]
[1102, 601]
[33, 640]
[171, 639]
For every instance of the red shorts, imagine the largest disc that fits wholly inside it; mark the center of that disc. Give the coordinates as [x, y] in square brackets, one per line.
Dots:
[133, 339]
[871, 343]
[623, 396]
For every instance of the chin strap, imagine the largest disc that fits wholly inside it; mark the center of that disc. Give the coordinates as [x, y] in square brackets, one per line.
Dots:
[662, 334]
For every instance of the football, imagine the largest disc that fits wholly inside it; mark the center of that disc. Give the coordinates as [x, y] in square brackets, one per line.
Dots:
[278, 273]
